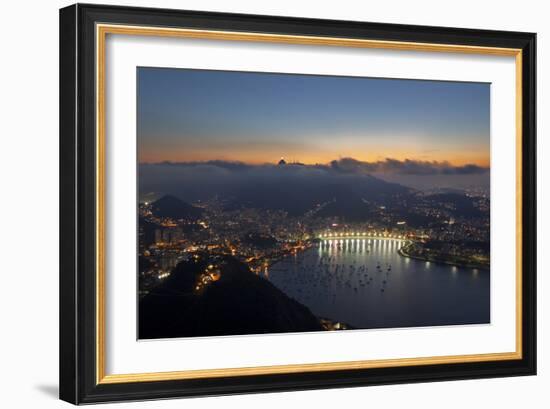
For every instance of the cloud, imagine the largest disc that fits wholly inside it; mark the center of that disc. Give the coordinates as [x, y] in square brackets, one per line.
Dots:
[271, 183]
[267, 182]
[195, 179]
[221, 164]
[404, 167]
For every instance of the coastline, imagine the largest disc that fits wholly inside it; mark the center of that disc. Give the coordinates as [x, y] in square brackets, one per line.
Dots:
[403, 253]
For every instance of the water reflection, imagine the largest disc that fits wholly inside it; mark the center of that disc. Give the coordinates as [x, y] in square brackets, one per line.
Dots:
[366, 283]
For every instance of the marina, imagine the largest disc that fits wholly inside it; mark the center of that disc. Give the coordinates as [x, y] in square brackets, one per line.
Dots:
[366, 283]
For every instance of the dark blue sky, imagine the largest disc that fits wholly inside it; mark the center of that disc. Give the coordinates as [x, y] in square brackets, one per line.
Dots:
[199, 115]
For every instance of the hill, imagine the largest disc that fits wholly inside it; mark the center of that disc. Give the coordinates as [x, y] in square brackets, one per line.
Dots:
[294, 188]
[295, 195]
[238, 303]
[458, 203]
[171, 206]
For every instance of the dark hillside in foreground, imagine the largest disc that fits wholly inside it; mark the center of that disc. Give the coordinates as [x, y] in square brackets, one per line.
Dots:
[238, 303]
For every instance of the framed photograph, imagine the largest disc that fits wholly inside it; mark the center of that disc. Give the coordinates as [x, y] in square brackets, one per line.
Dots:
[257, 203]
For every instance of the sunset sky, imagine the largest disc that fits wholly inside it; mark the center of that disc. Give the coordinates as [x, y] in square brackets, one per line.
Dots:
[202, 115]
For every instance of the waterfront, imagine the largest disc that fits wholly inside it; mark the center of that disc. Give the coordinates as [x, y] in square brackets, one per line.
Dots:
[366, 283]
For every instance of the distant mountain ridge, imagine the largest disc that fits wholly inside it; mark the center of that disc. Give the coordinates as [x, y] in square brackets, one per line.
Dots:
[298, 196]
[296, 189]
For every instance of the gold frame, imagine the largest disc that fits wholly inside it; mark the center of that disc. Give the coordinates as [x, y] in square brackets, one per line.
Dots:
[102, 30]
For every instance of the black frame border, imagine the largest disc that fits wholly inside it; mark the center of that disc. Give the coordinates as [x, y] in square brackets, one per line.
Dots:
[78, 210]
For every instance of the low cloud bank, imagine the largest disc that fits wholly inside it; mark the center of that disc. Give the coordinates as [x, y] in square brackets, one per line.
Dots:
[405, 167]
[201, 180]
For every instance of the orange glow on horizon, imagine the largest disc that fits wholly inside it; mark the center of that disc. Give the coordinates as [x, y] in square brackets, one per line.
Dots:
[479, 158]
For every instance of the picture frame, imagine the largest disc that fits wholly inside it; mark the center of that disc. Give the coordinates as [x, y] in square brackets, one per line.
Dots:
[83, 218]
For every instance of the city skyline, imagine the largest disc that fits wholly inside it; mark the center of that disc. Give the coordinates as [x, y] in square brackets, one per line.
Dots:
[256, 118]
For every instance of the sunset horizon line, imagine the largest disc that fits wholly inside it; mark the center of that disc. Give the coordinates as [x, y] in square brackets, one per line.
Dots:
[297, 161]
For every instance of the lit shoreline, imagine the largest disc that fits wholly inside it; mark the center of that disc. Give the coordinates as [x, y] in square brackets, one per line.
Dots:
[403, 253]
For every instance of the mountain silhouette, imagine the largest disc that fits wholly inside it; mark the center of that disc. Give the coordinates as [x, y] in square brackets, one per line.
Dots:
[239, 303]
[293, 188]
[342, 196]
[171, 206]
